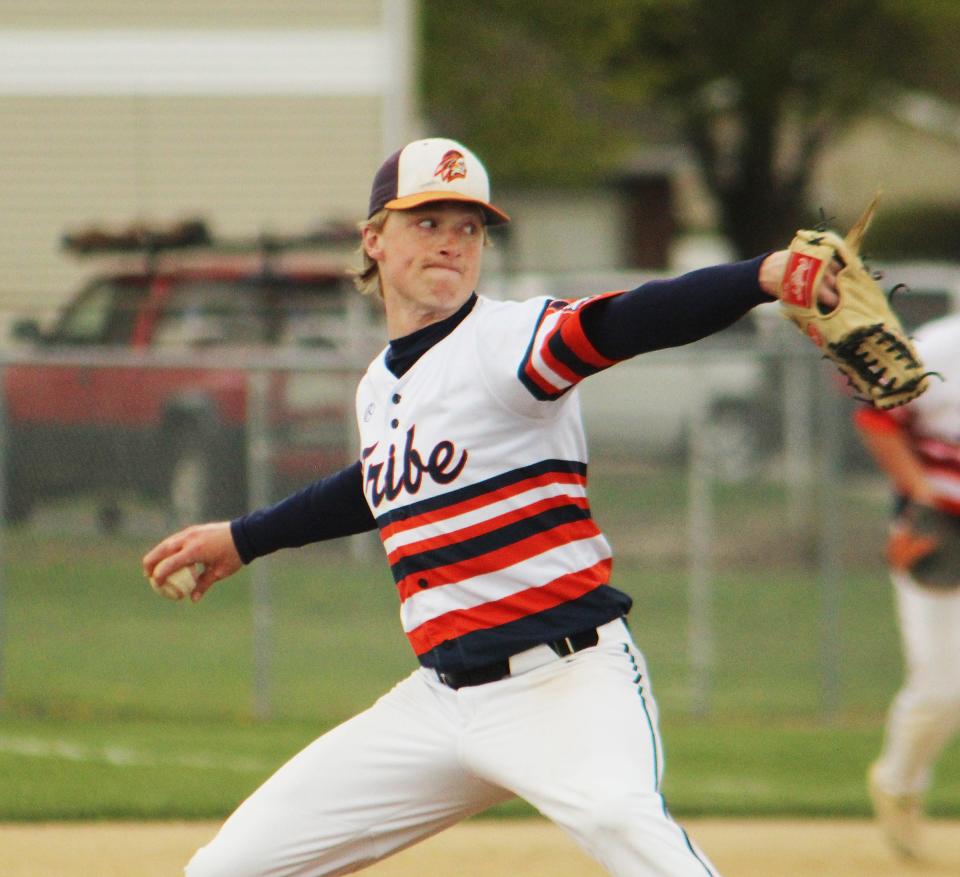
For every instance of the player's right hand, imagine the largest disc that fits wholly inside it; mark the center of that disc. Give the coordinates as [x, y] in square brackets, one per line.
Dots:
[209, 544]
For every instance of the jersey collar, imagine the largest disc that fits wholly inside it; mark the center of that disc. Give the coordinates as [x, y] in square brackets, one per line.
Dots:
[404, 352]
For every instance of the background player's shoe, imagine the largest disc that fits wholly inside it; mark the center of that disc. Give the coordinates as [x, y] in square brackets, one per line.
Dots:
[899, 817]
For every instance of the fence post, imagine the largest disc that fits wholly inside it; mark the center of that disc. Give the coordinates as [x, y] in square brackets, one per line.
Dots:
[829, 522]
[4, 523]
[800, 381]
[700, 572]
[363, 547]
[259, 494]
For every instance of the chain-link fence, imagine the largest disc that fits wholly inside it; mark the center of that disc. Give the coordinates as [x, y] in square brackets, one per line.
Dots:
[746, 524]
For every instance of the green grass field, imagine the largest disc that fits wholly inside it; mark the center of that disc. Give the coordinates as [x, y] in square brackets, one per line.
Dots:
[118, 704]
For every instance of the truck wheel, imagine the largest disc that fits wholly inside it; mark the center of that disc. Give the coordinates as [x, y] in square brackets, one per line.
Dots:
[205, 480]
[19, 498]
[18, 505]
[109, 516]
[190, 481]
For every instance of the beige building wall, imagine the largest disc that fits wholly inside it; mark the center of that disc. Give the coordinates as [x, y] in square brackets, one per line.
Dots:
[558, 232]
[49, 14]
[263, 156]
[910, 163]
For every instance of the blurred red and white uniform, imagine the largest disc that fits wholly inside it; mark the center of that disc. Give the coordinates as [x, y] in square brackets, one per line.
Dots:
[925, 713]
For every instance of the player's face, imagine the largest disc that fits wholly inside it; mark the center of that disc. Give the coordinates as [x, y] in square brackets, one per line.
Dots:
[429, 260]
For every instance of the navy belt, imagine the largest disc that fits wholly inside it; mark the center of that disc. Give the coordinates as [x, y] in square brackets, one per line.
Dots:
[497, 670]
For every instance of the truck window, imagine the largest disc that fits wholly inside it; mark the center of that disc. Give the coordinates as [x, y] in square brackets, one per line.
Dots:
[103, 314]
[211, 313]
[313, 315]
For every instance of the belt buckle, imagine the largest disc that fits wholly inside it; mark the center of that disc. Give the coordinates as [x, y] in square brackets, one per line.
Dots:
[569, 645]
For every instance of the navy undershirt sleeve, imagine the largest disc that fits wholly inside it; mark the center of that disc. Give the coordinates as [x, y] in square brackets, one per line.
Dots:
[668, 313]
[329, 508]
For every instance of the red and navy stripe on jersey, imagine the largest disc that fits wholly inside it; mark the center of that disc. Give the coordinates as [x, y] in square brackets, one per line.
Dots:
[560, 355]
[479, 572]
[467, 644]
[577, 339]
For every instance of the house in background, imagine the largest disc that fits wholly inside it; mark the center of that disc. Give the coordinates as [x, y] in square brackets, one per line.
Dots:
[256, 115]
[658, 215]
[912, 153]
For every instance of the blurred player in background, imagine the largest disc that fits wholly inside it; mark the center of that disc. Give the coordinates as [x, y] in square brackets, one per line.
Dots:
[917, 446]
[474, 469]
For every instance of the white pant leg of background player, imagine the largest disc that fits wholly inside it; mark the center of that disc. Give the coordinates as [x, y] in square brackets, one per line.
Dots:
[377, 783]
[925, 714]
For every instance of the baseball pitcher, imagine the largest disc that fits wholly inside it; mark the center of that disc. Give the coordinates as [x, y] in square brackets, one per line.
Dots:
[472, 467]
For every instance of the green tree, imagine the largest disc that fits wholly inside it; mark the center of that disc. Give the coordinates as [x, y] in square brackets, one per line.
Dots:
[558, 92]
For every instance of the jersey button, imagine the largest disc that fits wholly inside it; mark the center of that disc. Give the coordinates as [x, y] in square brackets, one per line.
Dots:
[394, 423]
[396, 398]
[422, 583]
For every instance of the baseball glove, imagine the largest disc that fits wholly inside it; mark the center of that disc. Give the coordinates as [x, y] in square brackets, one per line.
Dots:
[925, 543]
[861, 335]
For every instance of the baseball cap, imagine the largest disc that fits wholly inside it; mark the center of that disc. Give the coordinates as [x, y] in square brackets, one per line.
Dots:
[435, 169]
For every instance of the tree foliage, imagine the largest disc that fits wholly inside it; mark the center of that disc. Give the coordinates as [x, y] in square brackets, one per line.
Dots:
[558, 92]
[526, 83]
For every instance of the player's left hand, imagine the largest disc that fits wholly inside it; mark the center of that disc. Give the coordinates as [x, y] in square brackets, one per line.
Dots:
[771, 275]
[925, 543]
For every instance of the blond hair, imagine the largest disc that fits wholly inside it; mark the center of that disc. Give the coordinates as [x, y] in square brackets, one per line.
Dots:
[366, 278]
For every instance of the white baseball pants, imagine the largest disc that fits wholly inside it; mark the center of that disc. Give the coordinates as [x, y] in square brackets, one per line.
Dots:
[925, 714]
[576, 737]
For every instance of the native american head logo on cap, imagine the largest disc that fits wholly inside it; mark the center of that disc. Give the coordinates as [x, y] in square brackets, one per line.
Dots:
[452, 166]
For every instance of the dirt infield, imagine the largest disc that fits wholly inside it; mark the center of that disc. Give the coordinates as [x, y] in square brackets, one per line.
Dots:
[532, 848]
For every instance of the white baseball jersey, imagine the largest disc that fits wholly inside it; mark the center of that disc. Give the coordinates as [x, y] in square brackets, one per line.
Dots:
[475, 469]
[932, 420]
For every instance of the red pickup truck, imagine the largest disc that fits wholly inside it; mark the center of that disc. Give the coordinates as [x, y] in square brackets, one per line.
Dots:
[142, 385]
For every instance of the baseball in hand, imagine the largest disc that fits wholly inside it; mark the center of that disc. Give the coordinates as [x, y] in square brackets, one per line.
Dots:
[179, 584]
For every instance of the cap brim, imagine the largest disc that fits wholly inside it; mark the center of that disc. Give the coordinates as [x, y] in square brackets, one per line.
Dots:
[408, 202]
